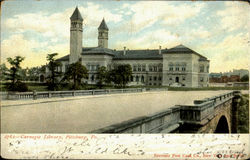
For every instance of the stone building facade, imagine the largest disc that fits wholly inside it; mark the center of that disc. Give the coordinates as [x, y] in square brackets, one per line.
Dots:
[178, 66]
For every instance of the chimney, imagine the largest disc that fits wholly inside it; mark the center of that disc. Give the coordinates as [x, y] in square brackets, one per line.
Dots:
[124, 51]
[159, 49]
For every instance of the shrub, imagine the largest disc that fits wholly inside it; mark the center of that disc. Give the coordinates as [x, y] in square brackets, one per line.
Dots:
[18, 86]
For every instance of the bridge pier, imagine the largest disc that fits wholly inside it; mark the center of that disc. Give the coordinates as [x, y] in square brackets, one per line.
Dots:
[235, 109]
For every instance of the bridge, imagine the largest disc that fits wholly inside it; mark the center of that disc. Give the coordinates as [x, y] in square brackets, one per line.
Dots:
[143, 112]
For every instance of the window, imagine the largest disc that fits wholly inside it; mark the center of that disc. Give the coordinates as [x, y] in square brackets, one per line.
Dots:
[154, 84]
[139, 67]
[201, 79]
[155, 78]
[159, 78]
[183, 69]
[88, 67]
[171, 68]
[137, 78]
[142, 78]
[183, 78]
[150, 78]
[170, 78]
[202, 68]
[132, 78]
[150, 84]
[92, 78]
[207, 68]
[177, 68]
[143, 68]
[150, 68]
[155, 68]
[134, 68]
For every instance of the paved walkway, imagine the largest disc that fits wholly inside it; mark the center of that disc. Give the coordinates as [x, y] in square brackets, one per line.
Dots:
[87, 113]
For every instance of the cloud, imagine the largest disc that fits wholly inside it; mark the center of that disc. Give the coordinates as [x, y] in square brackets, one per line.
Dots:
[58, 24]
[199, 33]
[34, 52]
[150, 40]
[234, 16]
[231, 53]
[147, 13]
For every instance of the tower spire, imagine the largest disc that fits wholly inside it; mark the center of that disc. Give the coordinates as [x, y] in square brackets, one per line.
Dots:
[75, 36]
[103, 25]
[103, 33]
[76, 15]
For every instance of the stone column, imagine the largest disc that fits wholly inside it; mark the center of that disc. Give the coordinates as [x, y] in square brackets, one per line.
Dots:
[235, 107]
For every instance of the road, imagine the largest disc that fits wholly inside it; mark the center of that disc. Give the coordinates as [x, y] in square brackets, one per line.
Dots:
[87, 113]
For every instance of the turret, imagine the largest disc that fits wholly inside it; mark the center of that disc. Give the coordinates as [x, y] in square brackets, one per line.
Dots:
[75, 36]
[103, 35]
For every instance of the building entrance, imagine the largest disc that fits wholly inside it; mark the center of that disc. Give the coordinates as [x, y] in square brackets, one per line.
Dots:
[177, 79]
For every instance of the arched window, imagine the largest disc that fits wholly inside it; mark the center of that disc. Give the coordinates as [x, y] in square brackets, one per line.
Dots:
[171, 66]
[142, 78]
[201, 68]
[150, 68]
[137, 78]
[132, 78]
[134, 67]
[143, 67]
[92, 78]
[139, 67]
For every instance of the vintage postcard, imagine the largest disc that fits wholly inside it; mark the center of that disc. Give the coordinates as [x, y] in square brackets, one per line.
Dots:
[124, 79]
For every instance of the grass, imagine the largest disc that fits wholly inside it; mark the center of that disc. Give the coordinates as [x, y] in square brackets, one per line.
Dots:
[243, 114]
[43, 87]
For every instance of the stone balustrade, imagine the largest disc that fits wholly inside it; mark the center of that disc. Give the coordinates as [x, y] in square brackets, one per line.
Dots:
[169, 120]
[51, 94]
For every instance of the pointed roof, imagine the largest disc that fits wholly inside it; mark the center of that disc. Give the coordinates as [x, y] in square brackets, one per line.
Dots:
[183, 49]
[103, 25]
[180, 48]
[76, 15]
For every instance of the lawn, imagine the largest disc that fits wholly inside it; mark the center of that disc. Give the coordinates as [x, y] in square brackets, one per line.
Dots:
[43, 87]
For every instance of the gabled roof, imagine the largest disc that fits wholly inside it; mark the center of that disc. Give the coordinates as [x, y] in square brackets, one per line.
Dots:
[138, 54]
[98, 51]
[103, 25]
[76, 15]
[181, 49]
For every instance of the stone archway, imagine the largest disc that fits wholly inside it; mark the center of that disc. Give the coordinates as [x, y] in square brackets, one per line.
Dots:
[222, 126]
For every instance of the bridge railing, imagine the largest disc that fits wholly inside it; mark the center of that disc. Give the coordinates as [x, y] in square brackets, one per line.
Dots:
[204, 109]
[164, 121]
[50, 94]
[170, 119]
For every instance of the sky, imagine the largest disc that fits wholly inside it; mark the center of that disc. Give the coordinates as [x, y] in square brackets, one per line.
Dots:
[216, 29]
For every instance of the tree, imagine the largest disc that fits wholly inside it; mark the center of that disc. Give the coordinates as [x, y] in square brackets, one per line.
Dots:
[3, 72]
[15, 67]
[101, 76]
[52, 79]
[33, 73]
[76, 72]
[14, 75]
[120, 75]
[245, 78]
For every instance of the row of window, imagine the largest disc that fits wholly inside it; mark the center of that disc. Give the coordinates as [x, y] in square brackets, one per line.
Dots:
[177, 69]
[183, 78]
[93, 67]
[140, 68]
[202, 68]
[74, 24]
